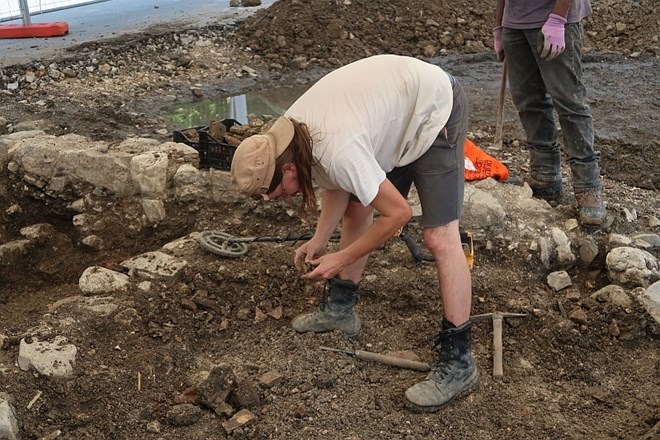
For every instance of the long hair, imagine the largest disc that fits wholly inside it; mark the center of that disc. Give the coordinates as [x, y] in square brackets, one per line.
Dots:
[299, 153]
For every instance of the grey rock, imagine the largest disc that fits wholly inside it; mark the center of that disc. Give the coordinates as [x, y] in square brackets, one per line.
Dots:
[616, 240]
[588, 251]
[183, 415]
[8, 423]
[632, 267]
[651, 301]
[99, 280]
[154, 210]
[614, 294]
[559, 280]
[214, 391]
[652, 239]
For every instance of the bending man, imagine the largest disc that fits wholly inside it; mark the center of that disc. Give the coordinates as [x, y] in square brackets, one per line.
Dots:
[364, 133]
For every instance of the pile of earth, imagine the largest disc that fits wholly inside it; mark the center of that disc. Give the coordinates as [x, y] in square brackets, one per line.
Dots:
[335, 32]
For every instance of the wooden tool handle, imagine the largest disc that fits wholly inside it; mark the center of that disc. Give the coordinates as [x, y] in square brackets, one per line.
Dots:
[498, 370]
[500, 108]
[392, 360]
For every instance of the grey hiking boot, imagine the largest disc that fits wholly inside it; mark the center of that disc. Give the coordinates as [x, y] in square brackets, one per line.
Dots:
[591, 208]
[335, 313]
[454, 374]
[549, 191]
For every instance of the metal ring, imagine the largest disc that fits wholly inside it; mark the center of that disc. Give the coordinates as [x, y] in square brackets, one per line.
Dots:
[221, 243]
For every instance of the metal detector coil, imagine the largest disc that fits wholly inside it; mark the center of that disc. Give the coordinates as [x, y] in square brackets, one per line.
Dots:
[227, 245]
[221, 243]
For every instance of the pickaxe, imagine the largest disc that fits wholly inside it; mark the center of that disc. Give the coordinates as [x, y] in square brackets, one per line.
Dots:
[497, 318]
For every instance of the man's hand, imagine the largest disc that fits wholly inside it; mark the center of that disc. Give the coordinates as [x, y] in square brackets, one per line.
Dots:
[551, 43]
[308, 252]
[327, 266]
[497, 42]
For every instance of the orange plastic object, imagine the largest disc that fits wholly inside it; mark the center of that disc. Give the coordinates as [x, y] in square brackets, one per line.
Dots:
[33, 30]
[484, 165]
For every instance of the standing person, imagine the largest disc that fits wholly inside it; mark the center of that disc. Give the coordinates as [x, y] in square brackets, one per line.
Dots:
[541, 42]
[364, 133]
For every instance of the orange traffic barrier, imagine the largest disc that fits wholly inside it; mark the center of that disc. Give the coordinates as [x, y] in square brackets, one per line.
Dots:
[480, 165]
[33, 30]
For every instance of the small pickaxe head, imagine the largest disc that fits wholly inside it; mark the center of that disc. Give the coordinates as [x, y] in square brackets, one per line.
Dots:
[496, 315]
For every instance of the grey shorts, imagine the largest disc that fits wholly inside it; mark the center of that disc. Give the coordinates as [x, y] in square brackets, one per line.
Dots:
[439, 175]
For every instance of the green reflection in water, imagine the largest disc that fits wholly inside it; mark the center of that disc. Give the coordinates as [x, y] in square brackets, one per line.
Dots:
[273, 103]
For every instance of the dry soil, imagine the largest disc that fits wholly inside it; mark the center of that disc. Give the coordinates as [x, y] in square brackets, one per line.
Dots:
[596, 379]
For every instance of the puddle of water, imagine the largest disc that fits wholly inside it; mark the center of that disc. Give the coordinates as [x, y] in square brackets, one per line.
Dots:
[263, 104]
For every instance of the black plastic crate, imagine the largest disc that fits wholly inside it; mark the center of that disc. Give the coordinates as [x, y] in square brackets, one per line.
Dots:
[182, 136]
[212, 153]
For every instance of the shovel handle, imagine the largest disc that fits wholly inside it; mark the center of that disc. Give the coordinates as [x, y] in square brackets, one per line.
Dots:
[500, 108]
[392, 360]
[498, 370]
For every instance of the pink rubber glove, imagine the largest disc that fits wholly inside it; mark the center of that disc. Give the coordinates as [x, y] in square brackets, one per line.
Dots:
[552, 44]
[497, 42]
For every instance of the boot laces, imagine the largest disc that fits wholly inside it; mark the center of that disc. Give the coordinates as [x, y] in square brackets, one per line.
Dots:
[326, 295]
[441, 367]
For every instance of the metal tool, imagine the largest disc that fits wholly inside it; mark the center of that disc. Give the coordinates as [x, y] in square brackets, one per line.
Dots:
[497, 318]
[497, 144]
[227, 245]
[468, 247]
[383, 359]
[418, 254]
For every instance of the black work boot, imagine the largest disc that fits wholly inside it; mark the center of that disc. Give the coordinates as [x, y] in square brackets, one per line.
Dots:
[454, 374]
[335, 313]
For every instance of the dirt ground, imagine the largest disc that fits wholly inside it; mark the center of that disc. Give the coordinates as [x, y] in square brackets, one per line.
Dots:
[597, 379]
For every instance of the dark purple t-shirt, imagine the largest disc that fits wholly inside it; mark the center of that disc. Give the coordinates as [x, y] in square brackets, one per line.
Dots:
[532, 14]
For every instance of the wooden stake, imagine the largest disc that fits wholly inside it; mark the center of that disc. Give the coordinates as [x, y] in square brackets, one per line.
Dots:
[34, 399]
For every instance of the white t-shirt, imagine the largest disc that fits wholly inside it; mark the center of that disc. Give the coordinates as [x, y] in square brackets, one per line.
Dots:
[371, 116]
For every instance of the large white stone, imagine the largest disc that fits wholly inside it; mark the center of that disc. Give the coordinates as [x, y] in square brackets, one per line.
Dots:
[8, 422]
[39, 233]
[154, 265]
[482, 208]
[99, 280]
[14, 249]
[149, 172]
[221, 186]
[190, 184]
[52, 359]
[101, 169]
[632, 267]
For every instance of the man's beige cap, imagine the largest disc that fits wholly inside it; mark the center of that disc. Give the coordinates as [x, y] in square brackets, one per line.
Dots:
[253, 164]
